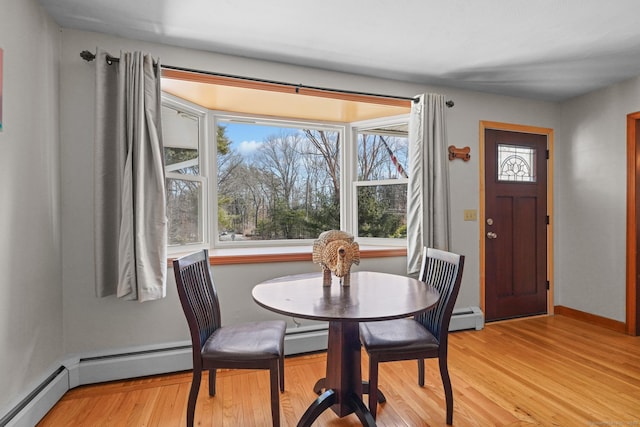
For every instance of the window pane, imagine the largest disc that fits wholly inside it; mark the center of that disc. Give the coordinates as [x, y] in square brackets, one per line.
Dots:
[382, 211]
[182, 161]
[181, 140]
[382, 156]
[184, 200]
[277, 182]
[516, 163]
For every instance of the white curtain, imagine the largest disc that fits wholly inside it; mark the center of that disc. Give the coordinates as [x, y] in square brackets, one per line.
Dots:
[129, 200]
[428, 190]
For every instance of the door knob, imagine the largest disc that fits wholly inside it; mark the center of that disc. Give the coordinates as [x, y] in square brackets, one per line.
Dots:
[491, 235]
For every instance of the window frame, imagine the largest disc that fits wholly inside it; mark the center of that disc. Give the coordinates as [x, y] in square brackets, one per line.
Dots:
[363, 126]
[208, 121]
[218, 116]
[200, 113]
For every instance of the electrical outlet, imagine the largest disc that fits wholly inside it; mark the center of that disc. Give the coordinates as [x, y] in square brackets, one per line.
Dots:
[470, 215]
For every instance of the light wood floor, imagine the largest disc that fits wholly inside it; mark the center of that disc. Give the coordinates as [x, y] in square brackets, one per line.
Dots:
[544, 371]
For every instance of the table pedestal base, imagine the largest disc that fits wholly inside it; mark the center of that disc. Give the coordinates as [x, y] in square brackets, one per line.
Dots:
[327, 400]
[343, 384]
[344, 307]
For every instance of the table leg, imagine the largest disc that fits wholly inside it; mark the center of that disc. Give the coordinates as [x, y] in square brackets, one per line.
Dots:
[362, 412]
[320, 405]
[343, 383]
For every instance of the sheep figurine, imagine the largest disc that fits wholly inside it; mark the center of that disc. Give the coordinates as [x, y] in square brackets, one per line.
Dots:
[336, 251]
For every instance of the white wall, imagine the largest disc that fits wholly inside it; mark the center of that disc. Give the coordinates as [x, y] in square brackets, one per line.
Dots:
[591, 200]
[30, 239]
[92, 324]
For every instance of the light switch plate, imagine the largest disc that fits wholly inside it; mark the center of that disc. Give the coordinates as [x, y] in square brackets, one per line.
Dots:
[470, 215]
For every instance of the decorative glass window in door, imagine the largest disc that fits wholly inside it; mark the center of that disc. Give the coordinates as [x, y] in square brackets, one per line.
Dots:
[516, 163]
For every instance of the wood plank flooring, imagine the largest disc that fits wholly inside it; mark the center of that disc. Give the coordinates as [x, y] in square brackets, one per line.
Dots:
[543, 371]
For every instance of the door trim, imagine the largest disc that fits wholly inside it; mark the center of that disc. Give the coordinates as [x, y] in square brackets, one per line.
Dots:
[632, 327]
[484, 125]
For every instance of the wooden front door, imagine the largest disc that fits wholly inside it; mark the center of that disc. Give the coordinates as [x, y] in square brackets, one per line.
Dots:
[515, 229]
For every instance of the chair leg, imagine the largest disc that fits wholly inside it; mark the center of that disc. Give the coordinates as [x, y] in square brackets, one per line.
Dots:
[212, 382]
[448, 391]
[373, 386]
[274, 376]
[421, 372]
[193, 396]
[281, 370]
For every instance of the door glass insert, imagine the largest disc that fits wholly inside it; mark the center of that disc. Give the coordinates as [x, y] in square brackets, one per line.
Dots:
[516, 163]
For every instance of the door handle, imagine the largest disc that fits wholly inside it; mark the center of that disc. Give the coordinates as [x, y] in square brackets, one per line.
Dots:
[491, 235]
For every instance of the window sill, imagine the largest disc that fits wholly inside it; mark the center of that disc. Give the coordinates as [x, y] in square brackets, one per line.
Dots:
[286, 254]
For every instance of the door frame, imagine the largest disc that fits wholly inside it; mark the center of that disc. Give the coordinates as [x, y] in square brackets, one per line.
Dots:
[484, 125]
[633, 181]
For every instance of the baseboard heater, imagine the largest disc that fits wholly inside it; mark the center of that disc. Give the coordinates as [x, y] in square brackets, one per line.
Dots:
[170, 357]
[466, 318]
[129, 363]
[133, 363]
[306, 339]
[177, 356]
[35, 405]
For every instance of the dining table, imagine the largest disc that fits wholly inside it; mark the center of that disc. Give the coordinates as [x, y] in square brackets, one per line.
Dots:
[369, 297]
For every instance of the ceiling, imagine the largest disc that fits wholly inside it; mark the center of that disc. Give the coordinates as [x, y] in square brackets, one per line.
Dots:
[543, 49]
[285, 102]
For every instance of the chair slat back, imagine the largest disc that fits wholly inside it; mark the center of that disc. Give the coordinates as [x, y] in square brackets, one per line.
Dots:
[443, 270]
[198, 296]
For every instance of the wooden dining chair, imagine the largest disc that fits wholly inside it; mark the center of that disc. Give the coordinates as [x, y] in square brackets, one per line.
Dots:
[424, 336]
[253, 345]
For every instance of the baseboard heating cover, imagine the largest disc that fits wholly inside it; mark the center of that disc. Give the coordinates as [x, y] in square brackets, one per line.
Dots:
[306, 339]
[130, 363]
[35, 405]
[467, 318]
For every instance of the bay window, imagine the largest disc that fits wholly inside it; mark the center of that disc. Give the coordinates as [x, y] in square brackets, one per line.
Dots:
[247, 180]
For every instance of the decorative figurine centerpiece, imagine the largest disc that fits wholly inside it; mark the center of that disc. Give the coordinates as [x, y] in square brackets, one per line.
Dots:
[336, 251]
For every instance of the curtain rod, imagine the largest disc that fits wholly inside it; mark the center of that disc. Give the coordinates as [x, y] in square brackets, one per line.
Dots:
[88, 56]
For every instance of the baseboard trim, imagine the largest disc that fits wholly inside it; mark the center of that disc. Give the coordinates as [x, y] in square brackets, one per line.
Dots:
[593, 319]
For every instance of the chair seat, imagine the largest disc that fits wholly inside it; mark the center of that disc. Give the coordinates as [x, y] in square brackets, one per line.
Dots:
[400, 335]
[245, 341]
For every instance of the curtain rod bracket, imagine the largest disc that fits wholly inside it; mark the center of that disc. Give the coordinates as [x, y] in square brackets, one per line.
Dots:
[87, 56]
[448, 103]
